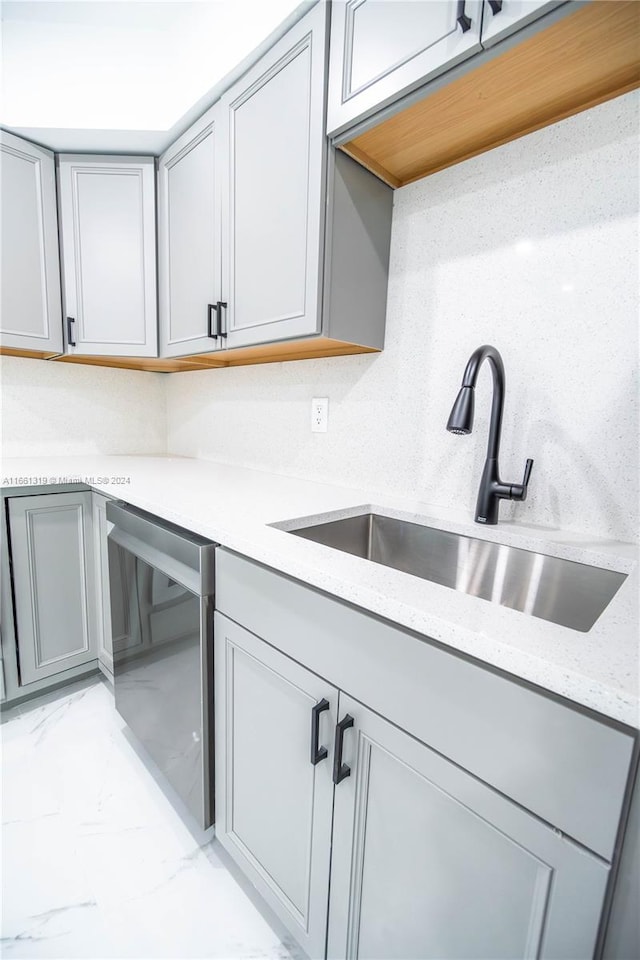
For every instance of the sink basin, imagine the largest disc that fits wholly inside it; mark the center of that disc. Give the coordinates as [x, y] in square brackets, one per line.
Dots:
[562, 591]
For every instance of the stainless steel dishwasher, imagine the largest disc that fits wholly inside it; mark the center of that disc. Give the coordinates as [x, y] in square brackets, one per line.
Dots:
[162, 584]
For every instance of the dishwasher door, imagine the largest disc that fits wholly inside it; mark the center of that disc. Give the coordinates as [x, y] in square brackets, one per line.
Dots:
[163, 667]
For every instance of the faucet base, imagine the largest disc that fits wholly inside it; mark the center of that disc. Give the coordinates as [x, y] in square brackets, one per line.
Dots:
[491, 492]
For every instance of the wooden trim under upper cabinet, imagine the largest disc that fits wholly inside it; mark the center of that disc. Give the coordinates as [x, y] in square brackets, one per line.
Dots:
[32, 354]
[152, 364]
[308, 349]
[588, 57]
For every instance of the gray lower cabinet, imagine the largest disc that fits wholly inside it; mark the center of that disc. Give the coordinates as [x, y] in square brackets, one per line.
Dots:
[108, 232]
[500, 20]
[273, 805]
[383, 49]
[53, 582]
[189, 240]
[30, 297]
[429, 863]
[473, 816]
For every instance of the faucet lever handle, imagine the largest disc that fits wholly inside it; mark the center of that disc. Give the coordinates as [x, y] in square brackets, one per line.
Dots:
[519, 490]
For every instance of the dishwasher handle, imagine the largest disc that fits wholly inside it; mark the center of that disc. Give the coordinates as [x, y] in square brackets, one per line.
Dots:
[165, 545]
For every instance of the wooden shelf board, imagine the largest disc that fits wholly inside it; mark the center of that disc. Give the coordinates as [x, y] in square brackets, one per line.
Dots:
[588, 57]
[32, 354]
[288, 350]
[151, 364]
[267, 353]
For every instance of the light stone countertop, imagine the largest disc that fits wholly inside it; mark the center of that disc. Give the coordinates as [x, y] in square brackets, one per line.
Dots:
[235, 506]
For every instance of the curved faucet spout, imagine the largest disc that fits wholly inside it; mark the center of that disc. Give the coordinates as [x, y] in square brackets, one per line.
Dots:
[487, 352]
[492, 489]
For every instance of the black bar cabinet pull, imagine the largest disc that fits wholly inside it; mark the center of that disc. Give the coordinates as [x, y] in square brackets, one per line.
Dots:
[317, 753]
[341, 770]
[211, 307]
[463, 20]
[496, 6]
[219, 305]
[70, 340]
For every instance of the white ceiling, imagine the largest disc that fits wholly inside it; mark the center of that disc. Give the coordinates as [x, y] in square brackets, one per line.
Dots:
[124, 74]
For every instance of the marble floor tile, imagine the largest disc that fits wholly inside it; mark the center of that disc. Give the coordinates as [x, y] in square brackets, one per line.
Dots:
[96, 862]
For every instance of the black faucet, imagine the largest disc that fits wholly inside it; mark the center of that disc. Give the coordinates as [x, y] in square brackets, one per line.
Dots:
[492, 489]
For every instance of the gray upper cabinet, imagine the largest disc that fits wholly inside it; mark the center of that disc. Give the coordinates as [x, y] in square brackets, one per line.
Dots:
[383, 49]
[273, 805]
[30, 298]
[107, 210]
[428, 862]
[189, 240]
[500, 19]
[273, 182]
[53, 582]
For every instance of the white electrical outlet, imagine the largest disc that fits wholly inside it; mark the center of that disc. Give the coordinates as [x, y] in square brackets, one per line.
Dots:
[319, 414]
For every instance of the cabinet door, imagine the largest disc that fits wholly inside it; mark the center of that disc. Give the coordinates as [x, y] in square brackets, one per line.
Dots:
[53, 582]
[107, 209]
[273, 806]
[430, 864]
[189, 224]
[505, 17]
[273, 185]
[30, 296]
[382, 49]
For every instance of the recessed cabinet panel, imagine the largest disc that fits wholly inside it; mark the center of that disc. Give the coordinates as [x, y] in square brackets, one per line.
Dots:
[381, 50]
[189, 240]
[262, 243]
[273, 806]
[53, 566]
[24, 301]
[30, 289]
[428, 862]
[386, 34]
[55, 533]
[108, 233]
[110, 257]
[501, 20]
[273, 212]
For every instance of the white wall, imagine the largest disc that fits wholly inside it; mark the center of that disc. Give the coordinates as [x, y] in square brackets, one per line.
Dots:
[51, 408]
[532, 247]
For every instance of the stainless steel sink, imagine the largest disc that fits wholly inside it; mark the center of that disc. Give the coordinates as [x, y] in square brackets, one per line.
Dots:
[562, 591]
